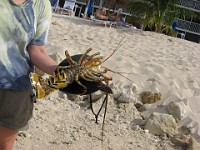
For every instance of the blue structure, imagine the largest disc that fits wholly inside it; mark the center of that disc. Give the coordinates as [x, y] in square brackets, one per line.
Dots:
[89, 12]
[53, 2]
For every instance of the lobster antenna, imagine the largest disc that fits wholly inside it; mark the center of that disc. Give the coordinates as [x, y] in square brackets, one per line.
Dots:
[122, 75]
[119, 71]
[118, 46]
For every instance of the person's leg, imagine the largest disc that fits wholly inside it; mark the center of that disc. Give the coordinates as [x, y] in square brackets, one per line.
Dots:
[16, 108]
[103, 17]
[7, 138]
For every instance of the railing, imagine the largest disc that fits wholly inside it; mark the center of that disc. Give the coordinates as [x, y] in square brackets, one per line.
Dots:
[187, 26]
[81, 1]
[125, 11]
[96, 2]
[193, 5]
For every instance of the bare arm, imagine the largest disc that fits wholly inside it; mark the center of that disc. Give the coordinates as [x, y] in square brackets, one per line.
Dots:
[97, 13]
[40, 59]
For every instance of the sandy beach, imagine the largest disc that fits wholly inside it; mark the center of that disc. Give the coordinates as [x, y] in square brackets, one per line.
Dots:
[153, 62]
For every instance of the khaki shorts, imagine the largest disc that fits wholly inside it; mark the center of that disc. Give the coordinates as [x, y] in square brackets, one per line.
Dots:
[16, 107]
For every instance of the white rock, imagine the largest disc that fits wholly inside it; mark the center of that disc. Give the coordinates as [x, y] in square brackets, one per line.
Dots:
[194, 145]
[62, 95]
[116, 91]
[159, 124]
[126, 97]
[146, 131]
[135, 88]
[97, 95]
[177, 110]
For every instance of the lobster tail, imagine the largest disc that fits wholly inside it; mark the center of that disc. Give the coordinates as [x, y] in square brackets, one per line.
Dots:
[40, 86]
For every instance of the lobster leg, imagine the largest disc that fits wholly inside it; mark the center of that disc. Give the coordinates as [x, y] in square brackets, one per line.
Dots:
[91, 58]
[84, 87]
[60, 74]
[87, 79]
[82, 57]
[93, 62]
[94, 77]
[69, 59]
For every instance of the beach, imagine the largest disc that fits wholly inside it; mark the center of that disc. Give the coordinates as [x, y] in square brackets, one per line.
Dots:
[148, 61]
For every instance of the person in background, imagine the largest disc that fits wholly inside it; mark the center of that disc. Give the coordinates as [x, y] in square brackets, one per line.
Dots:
[116, 16]
[102, 14]
[25, 25]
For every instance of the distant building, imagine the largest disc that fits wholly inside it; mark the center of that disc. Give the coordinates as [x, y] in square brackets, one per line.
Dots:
[189, 29]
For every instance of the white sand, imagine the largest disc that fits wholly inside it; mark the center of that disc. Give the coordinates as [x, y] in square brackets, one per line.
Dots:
[156, 63]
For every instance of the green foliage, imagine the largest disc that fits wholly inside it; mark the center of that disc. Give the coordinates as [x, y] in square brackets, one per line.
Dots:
[157, 14]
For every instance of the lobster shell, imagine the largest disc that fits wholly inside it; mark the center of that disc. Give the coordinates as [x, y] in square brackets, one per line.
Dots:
[75, 88]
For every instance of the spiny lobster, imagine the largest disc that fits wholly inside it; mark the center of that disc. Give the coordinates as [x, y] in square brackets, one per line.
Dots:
[84, 72]
[87, 68]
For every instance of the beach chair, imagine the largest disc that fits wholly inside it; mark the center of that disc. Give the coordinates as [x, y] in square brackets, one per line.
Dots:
[103, 22]
[110, 24]
[68, 7]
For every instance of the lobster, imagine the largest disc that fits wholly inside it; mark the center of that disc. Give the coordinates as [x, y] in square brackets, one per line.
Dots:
[87, 68]
[80, 74]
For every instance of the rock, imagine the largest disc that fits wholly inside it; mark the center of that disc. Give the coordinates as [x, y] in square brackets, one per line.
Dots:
[159, 124]
[177, 110]
[163, 136]
[62, 95]
[146, 131]
[137, 122]
[135, 88]
[125, 97]
[194, 145]
[140, 106]
[184, 130]
[135, 127]
[97, 95]
[148, 97]
[181, 140]
[144, 107]
[116, 91]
